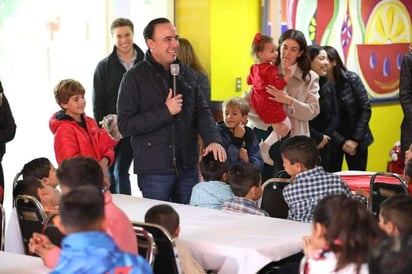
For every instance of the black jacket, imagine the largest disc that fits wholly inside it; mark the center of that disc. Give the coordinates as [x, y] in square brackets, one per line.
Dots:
[327, 120]
[155, 133]
[405, 97]
[354, 111]
[106, 82]
[7, 123]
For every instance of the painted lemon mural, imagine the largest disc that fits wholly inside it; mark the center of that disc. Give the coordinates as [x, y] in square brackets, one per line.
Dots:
[388, 34]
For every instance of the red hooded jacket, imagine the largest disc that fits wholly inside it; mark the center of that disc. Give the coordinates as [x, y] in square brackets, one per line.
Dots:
[71, 139]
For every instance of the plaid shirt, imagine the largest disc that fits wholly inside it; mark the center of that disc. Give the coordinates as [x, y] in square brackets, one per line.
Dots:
[308, 188]
[243, 205]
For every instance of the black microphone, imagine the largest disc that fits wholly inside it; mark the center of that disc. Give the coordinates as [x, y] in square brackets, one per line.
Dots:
[174, 70]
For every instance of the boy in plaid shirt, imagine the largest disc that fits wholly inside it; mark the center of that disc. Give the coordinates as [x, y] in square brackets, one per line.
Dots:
[246, 183]
[311, 182]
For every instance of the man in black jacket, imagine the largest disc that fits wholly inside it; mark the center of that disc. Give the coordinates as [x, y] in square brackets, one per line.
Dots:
[107, 77]
[7, 133]
[164, 126]
[405, 98]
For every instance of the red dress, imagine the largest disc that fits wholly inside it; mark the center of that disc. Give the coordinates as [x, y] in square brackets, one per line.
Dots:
[260, 76]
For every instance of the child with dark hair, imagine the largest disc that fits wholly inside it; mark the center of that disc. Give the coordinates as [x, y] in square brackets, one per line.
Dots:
[393, 255]
[165, 216]
[73, 173]
[323, 214]
[42, 169]
[342, 235]
[45, 194]
[87, 248]
[311, 182]
[395, 215]
[264, 73]
[214, 190]
[246, 184]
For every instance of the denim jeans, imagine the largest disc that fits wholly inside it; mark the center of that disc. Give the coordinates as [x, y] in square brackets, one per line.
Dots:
[119, 171]
[170, 188]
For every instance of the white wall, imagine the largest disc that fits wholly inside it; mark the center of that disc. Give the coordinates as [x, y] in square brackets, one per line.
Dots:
[44, 41]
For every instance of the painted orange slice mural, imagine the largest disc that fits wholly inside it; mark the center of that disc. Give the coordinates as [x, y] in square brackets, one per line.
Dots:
[388, 34]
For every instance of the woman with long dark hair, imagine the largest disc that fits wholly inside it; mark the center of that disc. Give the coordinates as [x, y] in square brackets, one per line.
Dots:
[323, 125]
[300, 98]
[353, 135]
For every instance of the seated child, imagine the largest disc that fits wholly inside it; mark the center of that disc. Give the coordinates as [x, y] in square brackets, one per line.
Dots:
[238, 139]
[395, 215]
[343, 231]
[72, 173]
[393, 255]
[262, 74]
[246, 183]
[87, 248]
[47, 197]
[215, 190]
[42, 169]
[167, 217]
[311, 183]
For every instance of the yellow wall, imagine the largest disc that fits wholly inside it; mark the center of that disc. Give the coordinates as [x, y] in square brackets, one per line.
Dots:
[222, 30]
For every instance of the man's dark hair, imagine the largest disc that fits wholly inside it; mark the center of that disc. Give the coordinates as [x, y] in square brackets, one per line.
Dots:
[301, 149]
[163, 215]
[212, 169]
[393, 255]
[81, 208]
[80, 170]
[148, 31]
[242, 177]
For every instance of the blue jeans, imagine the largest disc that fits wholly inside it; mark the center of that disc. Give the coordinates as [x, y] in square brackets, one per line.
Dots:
[119, 171]
[170, 188]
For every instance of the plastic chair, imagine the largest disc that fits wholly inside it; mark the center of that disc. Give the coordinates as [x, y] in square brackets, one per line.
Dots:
[31, 216]
[272, 197]
[3, 227]
[380, 190]
[165, 255]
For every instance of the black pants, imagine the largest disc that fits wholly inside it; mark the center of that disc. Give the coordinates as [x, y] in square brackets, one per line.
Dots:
[356, 162]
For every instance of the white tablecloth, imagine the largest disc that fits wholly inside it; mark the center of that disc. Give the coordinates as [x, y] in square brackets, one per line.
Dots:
[13, 263]
[226, 242]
